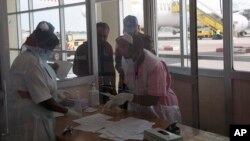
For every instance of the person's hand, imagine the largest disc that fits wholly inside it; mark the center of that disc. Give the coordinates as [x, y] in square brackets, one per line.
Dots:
[61, 95]
[72, 112]
[66, 94]
[118, 100]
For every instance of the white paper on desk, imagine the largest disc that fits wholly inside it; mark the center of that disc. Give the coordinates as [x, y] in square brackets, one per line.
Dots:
[94, 127]
[92, 119]
[63, 70]
[128, 128]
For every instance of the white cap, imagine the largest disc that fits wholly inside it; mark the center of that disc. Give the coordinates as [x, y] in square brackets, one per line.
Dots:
[128, 38]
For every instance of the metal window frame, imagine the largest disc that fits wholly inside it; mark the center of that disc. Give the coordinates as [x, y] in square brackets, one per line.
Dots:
[194, 62]
[4, 69]
[150, 20]
[228, 60]
[91, 35]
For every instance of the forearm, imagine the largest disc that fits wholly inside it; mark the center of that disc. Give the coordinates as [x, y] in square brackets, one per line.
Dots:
[52, 105]
[146, 100]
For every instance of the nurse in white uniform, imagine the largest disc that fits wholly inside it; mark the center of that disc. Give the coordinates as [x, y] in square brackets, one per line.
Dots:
[33, 87]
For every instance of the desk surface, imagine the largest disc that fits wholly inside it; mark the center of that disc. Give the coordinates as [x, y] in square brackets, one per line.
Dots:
[188, 133]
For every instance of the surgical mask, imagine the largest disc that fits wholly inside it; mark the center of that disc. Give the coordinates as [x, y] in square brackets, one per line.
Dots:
[46, 55]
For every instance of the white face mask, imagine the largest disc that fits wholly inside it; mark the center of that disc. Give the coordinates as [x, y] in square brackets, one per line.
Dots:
[45, 56]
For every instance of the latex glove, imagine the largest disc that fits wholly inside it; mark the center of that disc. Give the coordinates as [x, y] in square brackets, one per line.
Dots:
[72, 112]
[62, 95]
[118, 100]
[107, 94]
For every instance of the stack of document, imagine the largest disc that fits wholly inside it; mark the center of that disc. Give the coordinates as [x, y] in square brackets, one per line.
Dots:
[93, 123]
[128, 128]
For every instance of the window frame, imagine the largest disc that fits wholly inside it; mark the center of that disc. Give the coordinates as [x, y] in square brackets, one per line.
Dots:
[91, 36]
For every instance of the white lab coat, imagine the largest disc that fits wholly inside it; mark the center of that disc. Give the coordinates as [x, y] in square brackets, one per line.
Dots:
[28, 121]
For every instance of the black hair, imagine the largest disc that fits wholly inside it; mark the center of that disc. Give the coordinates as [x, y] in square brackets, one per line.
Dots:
[46, 38]
[102, 25]
[52, 42]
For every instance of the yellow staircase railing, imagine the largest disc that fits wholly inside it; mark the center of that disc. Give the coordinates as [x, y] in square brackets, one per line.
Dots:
[207, 20]
[202, 17]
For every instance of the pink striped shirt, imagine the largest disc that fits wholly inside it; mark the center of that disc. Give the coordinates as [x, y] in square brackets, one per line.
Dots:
[153, 79]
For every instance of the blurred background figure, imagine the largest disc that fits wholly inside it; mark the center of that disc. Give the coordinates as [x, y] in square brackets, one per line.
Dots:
[131, 27]
[105, 61]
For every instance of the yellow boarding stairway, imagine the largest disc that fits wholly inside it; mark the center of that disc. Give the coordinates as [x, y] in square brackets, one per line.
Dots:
[207, 20]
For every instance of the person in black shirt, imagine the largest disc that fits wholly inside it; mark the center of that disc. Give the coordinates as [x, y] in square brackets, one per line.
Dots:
[82, 64]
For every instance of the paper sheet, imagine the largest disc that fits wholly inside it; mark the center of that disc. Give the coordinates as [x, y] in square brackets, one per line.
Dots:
[63, 70]
[93, 119]
[128, 128]
[93, 127]
[124, 129]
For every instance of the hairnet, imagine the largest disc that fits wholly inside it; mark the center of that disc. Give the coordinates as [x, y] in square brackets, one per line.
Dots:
[135, 42]
[43, 36]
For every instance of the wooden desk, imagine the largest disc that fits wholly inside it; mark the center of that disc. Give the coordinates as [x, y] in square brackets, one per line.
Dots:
[188, 133]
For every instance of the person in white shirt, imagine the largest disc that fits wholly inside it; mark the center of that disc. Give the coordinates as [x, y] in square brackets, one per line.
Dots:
[33, 87]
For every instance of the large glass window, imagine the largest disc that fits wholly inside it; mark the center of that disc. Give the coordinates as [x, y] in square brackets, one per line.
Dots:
[241, 33]
[72, 1]
[24, 5]
[51, 16]
[44, 3]
[25, 26]
[173, 48]
[69, 22]
[135, 8]
[209, 34]
[76, 32]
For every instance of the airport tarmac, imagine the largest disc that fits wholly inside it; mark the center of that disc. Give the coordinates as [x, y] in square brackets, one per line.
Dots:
[210, 52]
[209, 56]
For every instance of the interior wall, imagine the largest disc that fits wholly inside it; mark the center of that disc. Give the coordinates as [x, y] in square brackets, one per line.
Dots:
[183, 90]
[212, 104]
[241, 99]
[110, 15]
